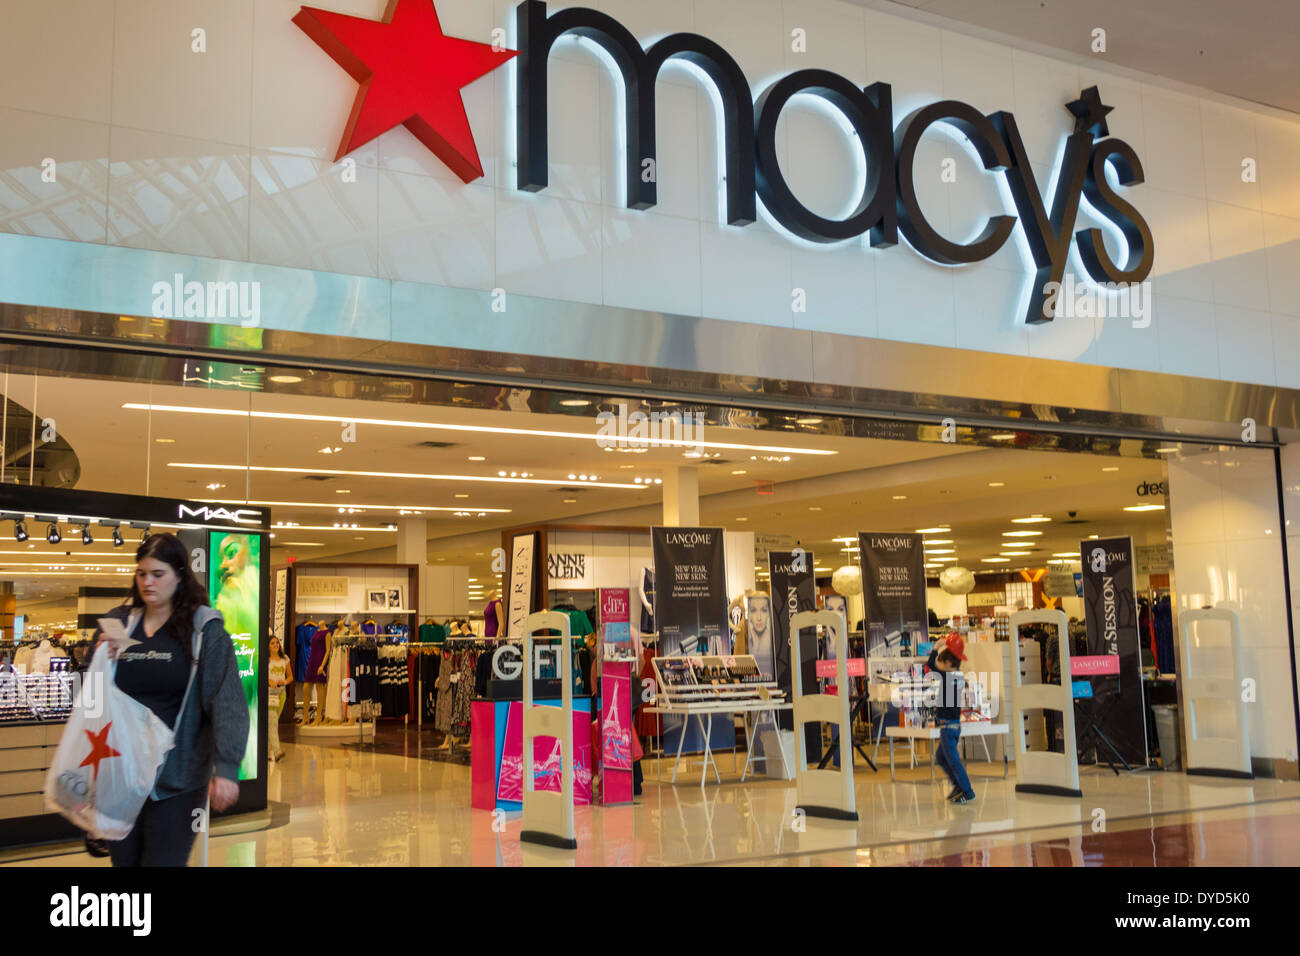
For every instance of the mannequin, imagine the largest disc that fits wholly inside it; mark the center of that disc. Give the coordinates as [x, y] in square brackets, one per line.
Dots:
[494, 616]
[322, 643]
[647, 595]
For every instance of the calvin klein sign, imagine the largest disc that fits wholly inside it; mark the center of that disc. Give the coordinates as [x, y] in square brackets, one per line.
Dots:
[888, 203]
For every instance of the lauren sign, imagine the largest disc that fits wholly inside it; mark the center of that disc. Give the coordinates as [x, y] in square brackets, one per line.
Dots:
[888, 204]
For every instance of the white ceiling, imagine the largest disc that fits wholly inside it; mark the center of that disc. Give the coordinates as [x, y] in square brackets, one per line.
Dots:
[865, 485]
[1245, 49]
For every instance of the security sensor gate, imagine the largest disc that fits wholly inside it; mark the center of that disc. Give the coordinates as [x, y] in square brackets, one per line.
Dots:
[1228, 753]
[823, 793]
[1039, 771]
[548, 816]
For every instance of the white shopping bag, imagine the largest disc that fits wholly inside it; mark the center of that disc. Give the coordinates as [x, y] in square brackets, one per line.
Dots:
[109, 757]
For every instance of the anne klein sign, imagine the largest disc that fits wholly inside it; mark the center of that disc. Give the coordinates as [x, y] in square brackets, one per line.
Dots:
[411, 73]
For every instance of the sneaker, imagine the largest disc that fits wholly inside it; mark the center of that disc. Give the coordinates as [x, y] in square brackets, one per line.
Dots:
[953, 793]
[963, 798]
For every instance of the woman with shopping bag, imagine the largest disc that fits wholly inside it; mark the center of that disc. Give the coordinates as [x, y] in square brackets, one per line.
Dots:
[179, 662]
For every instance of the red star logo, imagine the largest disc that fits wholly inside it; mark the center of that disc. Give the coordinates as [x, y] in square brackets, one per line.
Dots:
[410, 73]
[99, 749]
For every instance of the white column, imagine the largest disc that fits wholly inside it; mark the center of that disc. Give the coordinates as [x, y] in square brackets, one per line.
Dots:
[412, 541]
[681, 497]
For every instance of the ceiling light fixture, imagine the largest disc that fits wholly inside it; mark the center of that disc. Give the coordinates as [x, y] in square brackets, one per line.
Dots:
[1145, 508]
[929, 530]
[1021, 534]
[418, 476]
[86, 539]
[997, 484]
[1111, 468]
[1034, 519]
[479, 429]
[52, 534]
[286, 379]
[996, 560]
[20, 531]
[331, 506]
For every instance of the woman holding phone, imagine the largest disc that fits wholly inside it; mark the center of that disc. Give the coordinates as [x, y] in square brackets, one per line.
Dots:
[179, 662]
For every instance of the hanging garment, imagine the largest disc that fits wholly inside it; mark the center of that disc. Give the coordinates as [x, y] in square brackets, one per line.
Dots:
[302, 650]
[464, 693]
[1164, 624]
[647, 724]
[338, 667]
[429, 684]
[442, 719]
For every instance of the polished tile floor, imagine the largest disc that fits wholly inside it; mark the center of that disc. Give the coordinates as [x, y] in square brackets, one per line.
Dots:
[352, 806]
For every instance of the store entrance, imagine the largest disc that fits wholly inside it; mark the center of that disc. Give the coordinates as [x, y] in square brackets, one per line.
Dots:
[396, 507]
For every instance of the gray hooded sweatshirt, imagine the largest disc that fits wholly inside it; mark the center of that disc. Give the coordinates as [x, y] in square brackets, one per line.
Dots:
[212, 731]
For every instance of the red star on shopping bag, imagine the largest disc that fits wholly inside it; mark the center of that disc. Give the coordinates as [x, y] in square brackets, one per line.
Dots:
[99, 749]
[410, 73]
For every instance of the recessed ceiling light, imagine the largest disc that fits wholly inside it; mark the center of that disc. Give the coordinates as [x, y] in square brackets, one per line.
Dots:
[1093, 537]
[1014, 554]
[739, 471]
[940, 550]
[286, 379]
[1064, 554]
[524, 477]
[214, 486]
[996, 560]
[342, 491]
[742, 519]
[1034, 519]
[1145, 508]
[1167, 451]
[165, 441]
[937, 541]
[900, 497]
[1021, 534]
[570, 501]
[462, 496]
[575, 403]
[477, 458]
[1003, 436]
[997, 484]
[809, 421]
[1111, 468]
[814, 507]
[480, 429]
[1064, 561]
[930, 530]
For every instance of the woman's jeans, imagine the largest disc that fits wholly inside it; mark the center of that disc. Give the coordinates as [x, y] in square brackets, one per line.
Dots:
[948, 758]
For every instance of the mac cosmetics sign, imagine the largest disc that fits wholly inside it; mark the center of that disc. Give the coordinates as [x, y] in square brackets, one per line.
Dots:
[411, 74]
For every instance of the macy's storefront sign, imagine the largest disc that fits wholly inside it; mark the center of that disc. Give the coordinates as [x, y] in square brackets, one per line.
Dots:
[411, 74]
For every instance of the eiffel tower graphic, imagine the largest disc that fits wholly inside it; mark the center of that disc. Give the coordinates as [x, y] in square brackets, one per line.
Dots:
[617, 751]
[550, 769]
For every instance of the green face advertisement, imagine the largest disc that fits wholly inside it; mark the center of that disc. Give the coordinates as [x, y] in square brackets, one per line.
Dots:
[234, 582]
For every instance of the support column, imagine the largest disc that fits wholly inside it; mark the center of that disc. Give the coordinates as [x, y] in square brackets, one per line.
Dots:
[681, 497]
[412, 541]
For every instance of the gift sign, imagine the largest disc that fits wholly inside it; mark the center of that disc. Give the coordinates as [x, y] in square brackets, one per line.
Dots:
[615, 615]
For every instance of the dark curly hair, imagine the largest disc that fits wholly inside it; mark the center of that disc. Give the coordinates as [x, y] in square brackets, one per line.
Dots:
[190, 593]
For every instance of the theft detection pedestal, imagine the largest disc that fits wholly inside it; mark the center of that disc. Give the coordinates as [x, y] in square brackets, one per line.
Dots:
[823, 793]
[1038, 771]
[548, 816]
[1227, 752]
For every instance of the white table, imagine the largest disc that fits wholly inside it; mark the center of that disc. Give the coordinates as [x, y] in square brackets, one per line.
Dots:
[703, 711]
[969, 728]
